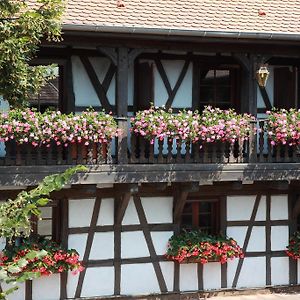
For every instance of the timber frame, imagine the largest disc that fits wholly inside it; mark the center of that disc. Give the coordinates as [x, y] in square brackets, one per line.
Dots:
[136, 192]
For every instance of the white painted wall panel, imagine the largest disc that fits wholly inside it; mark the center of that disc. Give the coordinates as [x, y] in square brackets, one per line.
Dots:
[72, 282]
[160, 241]
[251, 266]
[279, 207]
[158, 209]
[173, 68]
[78, 242]
[133, 244]
[212, 276]
[80, 212]
[18, 294]
[98, 281]
[106, 214]
[279, 270]
[102, 246]
[279, 237]
[231, 269]
[188, 277]
[240, 207]
[261, 211]
[101, 65]
[84, 92]
[46, 288]
[130, 216]
[131, 283]
[238, 233]
[167, 268]
[257, 241]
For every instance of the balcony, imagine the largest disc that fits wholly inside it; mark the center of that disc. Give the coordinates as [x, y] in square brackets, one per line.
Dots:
[254, 159]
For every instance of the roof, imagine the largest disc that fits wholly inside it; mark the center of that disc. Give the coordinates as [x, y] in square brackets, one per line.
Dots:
[239, 16]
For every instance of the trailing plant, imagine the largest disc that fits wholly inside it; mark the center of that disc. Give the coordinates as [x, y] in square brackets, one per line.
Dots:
[284, 126]
[32, 259]
[22, 28]
[293, 248]
[212, 125]
[30, 126]
[15, 214]
[197, 246]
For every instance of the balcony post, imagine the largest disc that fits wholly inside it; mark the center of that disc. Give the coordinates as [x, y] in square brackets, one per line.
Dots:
[122, 103]
[249, 84]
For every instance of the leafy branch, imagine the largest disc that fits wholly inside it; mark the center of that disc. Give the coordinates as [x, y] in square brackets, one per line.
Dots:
[15, 214]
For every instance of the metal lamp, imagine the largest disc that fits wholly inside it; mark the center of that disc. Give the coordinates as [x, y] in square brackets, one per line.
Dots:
[262, 75]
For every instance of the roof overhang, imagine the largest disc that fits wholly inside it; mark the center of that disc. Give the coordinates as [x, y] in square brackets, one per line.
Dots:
[183, 32]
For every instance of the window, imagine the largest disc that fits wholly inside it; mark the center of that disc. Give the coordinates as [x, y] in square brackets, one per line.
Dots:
[202, 214]
[219, 88]
[48, 223]
[50, 94]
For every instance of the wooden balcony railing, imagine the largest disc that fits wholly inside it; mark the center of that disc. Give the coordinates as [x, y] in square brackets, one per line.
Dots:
[257, 149]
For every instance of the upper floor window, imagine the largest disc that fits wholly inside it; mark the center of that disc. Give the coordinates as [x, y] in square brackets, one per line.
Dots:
[219, 88]
[50, 95]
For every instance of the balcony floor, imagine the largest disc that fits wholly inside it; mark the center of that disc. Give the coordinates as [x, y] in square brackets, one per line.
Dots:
[139, 173]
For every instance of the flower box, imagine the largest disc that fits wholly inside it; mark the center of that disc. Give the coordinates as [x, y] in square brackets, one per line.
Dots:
[39, 256]
[198, 247]
[293, 248]
[210, 126]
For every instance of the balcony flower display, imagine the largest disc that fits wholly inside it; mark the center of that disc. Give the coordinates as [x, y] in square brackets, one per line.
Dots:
[198, 247]
[41, 257]
[293, 248]
[30, 126]
[284, 126]
[212, 125]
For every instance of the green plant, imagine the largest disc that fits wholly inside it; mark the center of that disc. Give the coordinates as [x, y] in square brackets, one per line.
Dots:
[15, 214]
[200, 247]
[22, 28]
[15, 222]
[293, 248]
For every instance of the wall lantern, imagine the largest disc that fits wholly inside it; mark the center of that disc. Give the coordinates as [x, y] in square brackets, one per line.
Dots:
[262, 75]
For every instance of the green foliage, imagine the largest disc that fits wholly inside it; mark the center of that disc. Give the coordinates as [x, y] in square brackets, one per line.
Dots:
[21, 30]
[15, 214]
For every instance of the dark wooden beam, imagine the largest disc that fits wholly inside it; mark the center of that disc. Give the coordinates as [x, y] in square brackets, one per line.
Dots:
[99, 89]
[122, 103]
[69, 105]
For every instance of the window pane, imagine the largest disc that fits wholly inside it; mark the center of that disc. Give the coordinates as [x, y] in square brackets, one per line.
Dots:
[223, 94]
[46, 212]
[45, 227]
[209, 78]
[222, 77]
[207, 94]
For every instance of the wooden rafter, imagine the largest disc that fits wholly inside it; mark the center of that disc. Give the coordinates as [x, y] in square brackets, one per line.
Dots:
[99, 88]
[171, 92]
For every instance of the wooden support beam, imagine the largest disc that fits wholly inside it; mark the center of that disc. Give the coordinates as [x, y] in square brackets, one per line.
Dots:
[69, 105]
[123, 200]
[122, 103]
[181, 197]
[98, 87]
[110, 53]
[249, 84]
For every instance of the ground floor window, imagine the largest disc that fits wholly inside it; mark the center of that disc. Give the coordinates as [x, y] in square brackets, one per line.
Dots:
[203, 214]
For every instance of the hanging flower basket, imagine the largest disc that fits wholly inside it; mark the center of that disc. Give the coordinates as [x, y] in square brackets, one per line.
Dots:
[40, 256]
[293, 248]
[197, 247]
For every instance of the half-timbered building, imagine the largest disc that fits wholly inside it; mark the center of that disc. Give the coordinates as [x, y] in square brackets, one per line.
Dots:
[119, 56]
